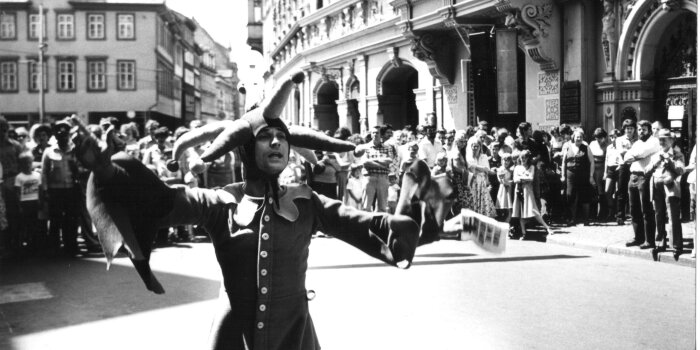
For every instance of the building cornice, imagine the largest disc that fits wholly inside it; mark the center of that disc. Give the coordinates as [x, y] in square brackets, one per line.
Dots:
[15, 5]
[96, 6]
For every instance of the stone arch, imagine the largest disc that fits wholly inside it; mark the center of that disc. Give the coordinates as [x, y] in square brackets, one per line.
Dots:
[397, 101]
[325, 94]
[387, 68]
[645, 22]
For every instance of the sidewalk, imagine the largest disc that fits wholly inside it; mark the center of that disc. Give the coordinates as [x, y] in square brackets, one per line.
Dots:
[610, 238]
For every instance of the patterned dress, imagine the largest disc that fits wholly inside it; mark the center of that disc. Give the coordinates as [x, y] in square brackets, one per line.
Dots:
[456, 160]
[479, 198]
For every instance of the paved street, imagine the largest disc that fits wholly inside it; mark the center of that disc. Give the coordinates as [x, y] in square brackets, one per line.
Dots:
[536, 296]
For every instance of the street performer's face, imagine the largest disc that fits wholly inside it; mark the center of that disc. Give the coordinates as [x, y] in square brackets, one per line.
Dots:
[271, 150]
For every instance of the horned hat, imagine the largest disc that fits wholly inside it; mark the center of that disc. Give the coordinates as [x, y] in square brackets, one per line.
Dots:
[227, 134]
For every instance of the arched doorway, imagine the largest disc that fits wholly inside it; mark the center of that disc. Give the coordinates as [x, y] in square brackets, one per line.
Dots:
[353, 97]
[667, 56]
[325, 106]
[397, 101]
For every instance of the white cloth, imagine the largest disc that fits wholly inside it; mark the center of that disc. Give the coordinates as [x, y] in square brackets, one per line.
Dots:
[29, 186]
[428, 151]
[356, 187]
[642, 152]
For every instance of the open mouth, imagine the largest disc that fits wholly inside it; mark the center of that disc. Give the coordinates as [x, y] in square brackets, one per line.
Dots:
[275, 155]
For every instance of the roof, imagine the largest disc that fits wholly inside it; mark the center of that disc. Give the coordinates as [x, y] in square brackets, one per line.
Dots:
[144, 2]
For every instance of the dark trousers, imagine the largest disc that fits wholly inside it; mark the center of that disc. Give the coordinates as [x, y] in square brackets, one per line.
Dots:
[642, 209]
[12, 238]
[30, 226]
[63, 216]
[668, 207]
[622, 193]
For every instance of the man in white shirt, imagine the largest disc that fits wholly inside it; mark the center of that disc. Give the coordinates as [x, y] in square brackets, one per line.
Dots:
[429, 147]
[639, 159]
[622, 145]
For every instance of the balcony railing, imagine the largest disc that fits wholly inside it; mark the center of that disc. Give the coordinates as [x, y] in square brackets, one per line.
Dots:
[297, 28]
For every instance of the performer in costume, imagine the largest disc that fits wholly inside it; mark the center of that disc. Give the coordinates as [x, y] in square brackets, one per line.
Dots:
[261, 231]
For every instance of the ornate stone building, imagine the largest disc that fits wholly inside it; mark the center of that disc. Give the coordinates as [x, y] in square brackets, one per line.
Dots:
[452, 62]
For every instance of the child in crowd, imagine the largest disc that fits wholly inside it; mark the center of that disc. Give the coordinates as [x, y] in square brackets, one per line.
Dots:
[504, 201]
[354, 189]
[394, 189]
[440, 165]
[27, 184]
[524, 204]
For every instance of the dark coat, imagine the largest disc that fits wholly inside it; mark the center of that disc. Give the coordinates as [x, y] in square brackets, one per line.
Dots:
[263, 252]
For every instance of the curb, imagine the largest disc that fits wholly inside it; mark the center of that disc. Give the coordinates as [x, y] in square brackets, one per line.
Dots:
[663, 257]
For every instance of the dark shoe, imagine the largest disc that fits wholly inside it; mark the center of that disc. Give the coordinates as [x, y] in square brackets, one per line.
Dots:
[647, 246]
[632, 243]
[677, 254]
[620, 221]
[660, 246]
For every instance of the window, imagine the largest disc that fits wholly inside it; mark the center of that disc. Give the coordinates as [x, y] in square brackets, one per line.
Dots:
[34, 76]
[125, 26]
[65, 27]
[7, 26]
[8, 76]
[95, 26]
[66, 75]
[97, 75]
[165, 81]
[126, 75]
[34, 26]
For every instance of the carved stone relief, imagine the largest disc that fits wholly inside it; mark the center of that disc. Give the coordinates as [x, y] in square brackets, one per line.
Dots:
[551, 109]
[451, 93]
[436, 51]
[609, 35]
[548, 83]
[533, 24]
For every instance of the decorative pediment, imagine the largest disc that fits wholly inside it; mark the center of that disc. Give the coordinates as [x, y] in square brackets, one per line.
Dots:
[436, 50]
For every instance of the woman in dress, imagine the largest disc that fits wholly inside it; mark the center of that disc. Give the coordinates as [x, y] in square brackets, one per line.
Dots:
[596, 157]
[479, 199]
[457, 166]
[576, 175]
[261, 231]
[524, 204]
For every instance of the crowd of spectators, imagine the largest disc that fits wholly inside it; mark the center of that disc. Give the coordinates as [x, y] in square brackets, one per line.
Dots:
[544, 177]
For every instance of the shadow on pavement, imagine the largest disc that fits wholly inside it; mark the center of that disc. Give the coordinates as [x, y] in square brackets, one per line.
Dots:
[83, 291]
[456, 261]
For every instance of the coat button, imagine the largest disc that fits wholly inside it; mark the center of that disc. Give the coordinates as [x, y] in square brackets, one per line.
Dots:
[265, 236]
[267, 218]
[263, 290]
[270, 200]
[263, 254]
[263, 307]
[263, 272]
[261, 325]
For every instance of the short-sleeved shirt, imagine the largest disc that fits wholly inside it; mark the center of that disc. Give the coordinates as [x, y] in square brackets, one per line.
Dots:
[373, 151]
[428, 151]
[29, 186]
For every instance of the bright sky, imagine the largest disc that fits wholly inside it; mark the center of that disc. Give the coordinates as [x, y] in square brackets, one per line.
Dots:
[225, 21]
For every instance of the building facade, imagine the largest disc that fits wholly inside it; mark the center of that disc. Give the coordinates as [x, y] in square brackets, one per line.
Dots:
[131, 60]
[452, 63]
